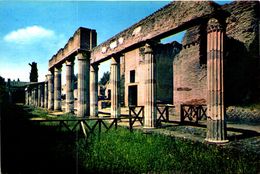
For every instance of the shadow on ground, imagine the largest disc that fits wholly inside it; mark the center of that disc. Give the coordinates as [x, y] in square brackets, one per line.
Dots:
[31, 148]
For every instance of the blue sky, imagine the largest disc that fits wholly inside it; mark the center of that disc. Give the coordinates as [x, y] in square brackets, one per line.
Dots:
[35, 30]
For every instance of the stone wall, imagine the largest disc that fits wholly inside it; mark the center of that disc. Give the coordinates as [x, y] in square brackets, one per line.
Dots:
[189, 70]
[164, 56]
[242, 61]
[134, 60]
[245, 115]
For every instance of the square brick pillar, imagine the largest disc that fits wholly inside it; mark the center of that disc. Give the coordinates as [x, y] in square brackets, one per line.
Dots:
[70, 86]
[94, 90]
[216, 125]
[83, 83]
[150, 113]
[50, 91]
[115, 86]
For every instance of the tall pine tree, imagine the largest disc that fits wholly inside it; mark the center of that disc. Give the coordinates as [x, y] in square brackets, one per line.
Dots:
[34, 72]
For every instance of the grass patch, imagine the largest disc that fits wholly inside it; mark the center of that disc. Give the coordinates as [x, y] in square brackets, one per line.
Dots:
[121, 151]
[117, 151]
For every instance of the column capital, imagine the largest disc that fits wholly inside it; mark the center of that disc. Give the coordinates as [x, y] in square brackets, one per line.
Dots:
[83, 55]
[94, 67]
[70, 62]
[49, 76]
[214, 25]
[115, 59]
[46, 78]
[57, 68]
[148, 48]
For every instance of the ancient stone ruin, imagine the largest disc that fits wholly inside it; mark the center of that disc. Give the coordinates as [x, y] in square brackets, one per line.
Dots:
[216, 64]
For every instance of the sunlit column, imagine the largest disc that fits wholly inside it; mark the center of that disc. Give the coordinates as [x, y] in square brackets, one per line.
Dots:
[39, 95]
[36, 95]
[83, 83]
[46, 92]
[150, 88]
[57, 88]
[115, 86]
[50, 91]
[216, 125]
[42, 94]
[70, 86]
[94, 90]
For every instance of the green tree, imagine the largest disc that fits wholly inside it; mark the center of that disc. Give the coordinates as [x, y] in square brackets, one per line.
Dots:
[2, 90]
[34, 72]
[105, 78]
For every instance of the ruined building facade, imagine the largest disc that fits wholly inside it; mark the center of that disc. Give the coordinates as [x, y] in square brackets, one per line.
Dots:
[218, 63]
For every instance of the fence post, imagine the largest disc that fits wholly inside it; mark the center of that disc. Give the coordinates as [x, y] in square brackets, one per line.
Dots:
[167, 113]
[115, 123]
[182, 113]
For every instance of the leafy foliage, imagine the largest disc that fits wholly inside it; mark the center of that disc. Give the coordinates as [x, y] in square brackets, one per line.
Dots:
[105, 78]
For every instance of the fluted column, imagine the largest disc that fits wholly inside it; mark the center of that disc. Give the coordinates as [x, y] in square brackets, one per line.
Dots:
[216, 125]
[94, 90]
[150, 88]
[46, 92]
[41, 95]
[70, 86]
[57, 88]
[115, 86]
[50, 91]
[36, 95]
[30, 96]
[26, 97]
[83, 83]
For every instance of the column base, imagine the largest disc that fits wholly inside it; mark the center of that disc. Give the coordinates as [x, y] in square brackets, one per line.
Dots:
[148, 130]
[216, 141]
[216, 131]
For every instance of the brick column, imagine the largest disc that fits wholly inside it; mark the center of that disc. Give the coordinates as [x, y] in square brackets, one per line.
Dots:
[57, 88]
[50, 91]
[150, 88]
[94, 90]
[46, 92]
[115, 87]
[216, 125]
[70, 86]
[83, 83]
[42, 94]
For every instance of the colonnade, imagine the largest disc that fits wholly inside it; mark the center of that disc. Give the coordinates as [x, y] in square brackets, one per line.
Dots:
[48, 94]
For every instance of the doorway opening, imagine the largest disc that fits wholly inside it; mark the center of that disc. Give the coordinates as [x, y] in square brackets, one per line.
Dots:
[132, 95]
